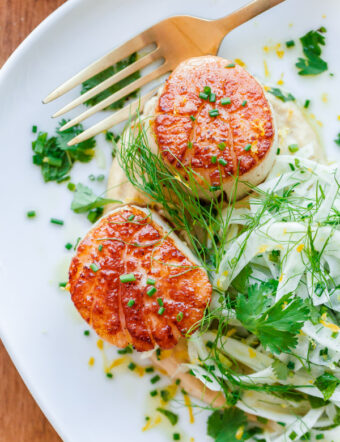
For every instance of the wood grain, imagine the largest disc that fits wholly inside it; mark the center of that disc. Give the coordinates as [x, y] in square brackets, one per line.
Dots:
[21, 420]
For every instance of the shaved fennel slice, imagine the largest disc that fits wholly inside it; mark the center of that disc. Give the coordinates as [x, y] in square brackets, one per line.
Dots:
[300, 426]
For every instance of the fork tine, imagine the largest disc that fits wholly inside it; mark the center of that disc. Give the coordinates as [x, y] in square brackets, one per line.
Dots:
[135, 44]
[112, 120]
[139, 64]
[118, 95]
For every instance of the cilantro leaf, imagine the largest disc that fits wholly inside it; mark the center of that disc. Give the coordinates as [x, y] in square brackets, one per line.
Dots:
[55, 157]
[173, 418]
[311, 46]
[280, 95]
[84, 200]
[327, 384]
[275, 325]
[223, 425]
[104, 75]
[280, 369]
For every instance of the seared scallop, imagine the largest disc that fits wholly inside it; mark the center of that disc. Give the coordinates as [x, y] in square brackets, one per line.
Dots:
[136, 283]
[212, 118]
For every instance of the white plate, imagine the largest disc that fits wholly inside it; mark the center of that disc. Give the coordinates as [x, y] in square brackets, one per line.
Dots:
[38, 325]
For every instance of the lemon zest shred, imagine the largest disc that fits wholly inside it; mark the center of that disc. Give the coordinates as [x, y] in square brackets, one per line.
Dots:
[330, 325]
[187, 403]
[239, 432]
[299, 248]
[100, 344]
[252, 353]
[91, 361]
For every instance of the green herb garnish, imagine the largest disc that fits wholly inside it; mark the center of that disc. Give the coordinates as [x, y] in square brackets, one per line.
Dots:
[312, 64]
[104, 75]
[55, 157]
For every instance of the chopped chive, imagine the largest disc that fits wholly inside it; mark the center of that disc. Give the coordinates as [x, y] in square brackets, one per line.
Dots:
[100, 247]
[160, 302]
[94, 267]
[31, 214]
[225, 101]
[212, 98]
[192, 118]
[177, 381]
[153, 393]
[155, 379]
[62, 284]
[291, 365]
[291, 166]
[124, 351]
[34, 129]
[165, 395]
[68, 246]
[151, 291]
[92, 177]
[322, 29]
[244, 102]
[71, 187]
[132, 366]
[161, 310]
[179, 316]
[223, 162]
[173, 418]
[230, 65]
[214, 159]
[77, 242]
[87, 332]
[109, 375]
[128, 277]
[203, 96]
[214, 112]
[247, 147]
[176, 436]
[222, 146]
[292, 435]
[52, 161]
[293, 148]
[290, 43]
[131, 217]
[278, 151]
[306, 105]
[100, 177]
[149, 370]
[207, 90]
[189, 144]
[151, 281]
[57, 221]
[131, 303]
[319, 436]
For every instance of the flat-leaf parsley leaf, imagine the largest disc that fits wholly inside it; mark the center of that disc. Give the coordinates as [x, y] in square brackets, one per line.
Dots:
[227, 425]
[84, 199]
[276, 326]
[311, 46]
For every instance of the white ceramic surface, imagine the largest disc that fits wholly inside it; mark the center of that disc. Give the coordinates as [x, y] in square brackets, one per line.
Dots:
[38, 324]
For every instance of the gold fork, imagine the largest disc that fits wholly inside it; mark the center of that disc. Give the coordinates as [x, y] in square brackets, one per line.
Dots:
[175, 39]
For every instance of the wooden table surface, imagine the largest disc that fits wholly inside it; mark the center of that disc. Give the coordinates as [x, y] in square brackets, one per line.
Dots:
[21, 420]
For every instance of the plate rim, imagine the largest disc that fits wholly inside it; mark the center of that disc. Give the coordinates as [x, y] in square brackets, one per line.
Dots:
[12, 59]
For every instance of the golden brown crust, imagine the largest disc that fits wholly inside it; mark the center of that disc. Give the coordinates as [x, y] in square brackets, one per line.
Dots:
[139, 246]
[188, 136]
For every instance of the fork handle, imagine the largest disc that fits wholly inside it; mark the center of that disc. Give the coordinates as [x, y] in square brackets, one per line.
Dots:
[247, 12]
